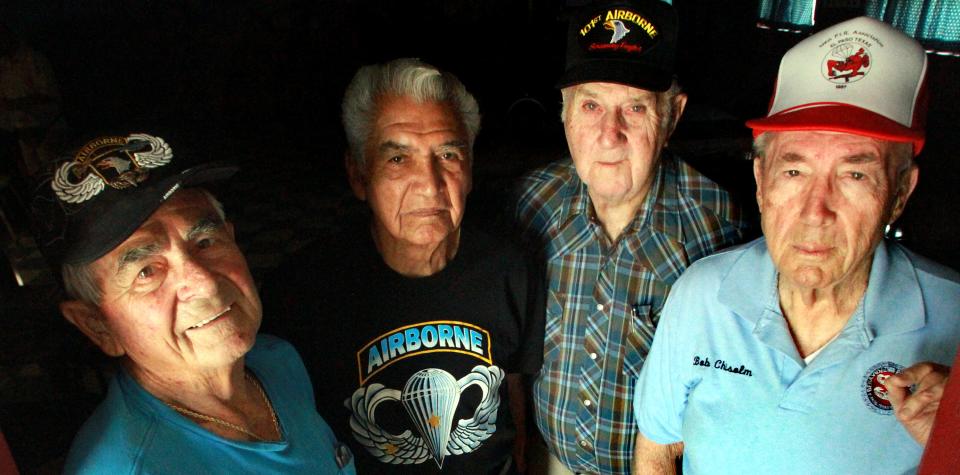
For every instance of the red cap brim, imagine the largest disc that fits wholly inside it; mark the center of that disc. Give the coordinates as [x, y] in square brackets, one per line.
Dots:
[839, 118]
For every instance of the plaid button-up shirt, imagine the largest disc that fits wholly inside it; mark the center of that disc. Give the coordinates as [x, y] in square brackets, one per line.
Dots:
[604, 298]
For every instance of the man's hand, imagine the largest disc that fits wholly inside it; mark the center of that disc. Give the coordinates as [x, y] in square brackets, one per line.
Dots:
[916, 410]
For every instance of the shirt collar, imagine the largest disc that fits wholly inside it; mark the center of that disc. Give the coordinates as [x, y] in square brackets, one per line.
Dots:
[893, 293]
[893, 302]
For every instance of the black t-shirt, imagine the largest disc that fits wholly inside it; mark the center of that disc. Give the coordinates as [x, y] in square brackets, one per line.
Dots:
[411, 372]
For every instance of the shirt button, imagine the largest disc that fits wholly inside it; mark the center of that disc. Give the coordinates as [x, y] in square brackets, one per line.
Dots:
[586, 402]
[585, 444]
[600, 307]
[593, 356]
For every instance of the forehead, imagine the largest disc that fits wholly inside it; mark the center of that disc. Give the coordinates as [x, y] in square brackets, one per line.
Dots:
[398, 114]
[180, 211]
[611, 91]
[826, 145]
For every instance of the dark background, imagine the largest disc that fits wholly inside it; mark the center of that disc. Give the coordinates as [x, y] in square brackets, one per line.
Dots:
[259, 82]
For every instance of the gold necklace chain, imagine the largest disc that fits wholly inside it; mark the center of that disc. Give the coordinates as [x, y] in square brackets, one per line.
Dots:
[230, 425]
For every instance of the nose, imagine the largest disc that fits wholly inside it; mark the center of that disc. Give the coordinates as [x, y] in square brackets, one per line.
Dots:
[819, 202]
[196, 280]
[612, 128]
[430, 177]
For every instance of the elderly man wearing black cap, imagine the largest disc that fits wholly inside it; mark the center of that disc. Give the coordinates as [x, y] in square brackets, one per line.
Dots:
[794, 353]
[617, 223]
[158, 281]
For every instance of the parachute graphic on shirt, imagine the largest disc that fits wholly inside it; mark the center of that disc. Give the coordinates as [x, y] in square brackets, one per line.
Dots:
[430, 398]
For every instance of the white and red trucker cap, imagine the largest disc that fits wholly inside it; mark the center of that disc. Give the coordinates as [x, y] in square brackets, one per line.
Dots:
[861, 77]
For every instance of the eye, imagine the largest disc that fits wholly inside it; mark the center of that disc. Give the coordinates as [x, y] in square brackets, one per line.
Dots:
[857, 176]
[590, 106]
[205, 243]
[146, 273]
[396, 159]
[792, 173]
[638, 108]
[449, 156]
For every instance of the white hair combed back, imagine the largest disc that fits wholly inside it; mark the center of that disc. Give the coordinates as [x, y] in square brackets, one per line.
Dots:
[404, 77]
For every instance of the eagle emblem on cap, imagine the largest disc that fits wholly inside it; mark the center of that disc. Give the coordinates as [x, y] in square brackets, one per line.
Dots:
[619, 29]
[118, 162]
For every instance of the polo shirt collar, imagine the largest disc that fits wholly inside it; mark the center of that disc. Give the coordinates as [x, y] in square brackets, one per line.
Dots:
[893, 302]
[660, 211]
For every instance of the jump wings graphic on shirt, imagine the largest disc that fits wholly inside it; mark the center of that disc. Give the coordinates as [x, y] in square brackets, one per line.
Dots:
[429, 397]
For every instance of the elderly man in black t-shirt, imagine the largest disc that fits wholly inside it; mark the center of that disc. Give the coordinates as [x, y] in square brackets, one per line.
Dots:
[414, 326]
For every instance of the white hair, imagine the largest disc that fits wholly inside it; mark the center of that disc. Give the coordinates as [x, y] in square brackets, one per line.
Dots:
[404, 77]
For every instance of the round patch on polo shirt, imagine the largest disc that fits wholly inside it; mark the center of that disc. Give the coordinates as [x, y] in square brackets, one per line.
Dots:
[874, 389]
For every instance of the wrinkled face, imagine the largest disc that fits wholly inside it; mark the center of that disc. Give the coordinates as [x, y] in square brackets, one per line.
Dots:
[613, 132]
[417, 173]
[825, 199]
[177, 294]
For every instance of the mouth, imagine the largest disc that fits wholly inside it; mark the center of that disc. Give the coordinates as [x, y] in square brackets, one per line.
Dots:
[427, 212]
[813, 249]
[203, 323]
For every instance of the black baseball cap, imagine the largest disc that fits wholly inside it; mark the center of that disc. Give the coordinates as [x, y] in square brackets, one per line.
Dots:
[625, 42]
[97, 198]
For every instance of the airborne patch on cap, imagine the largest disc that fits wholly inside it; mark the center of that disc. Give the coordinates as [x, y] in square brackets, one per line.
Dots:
[120, 162]
[618, 30]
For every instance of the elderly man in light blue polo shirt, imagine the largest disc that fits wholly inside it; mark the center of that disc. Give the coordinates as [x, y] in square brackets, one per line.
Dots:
[817, 348]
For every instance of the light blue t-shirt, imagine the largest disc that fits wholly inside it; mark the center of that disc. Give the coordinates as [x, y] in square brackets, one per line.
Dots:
[725, 377]
[132, 432]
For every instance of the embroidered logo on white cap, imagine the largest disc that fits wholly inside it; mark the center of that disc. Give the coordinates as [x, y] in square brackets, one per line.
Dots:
[846, 63]
[861, 76]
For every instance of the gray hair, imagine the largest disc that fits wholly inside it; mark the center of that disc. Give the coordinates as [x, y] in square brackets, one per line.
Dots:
[404, 77]
[665, 105]
[78, 279]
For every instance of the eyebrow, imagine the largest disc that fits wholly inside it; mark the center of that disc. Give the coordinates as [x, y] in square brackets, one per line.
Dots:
[639, 97]
[455, 143]
[136, 254]
[861, 158]
[205, 225]
[131, 256]
[390, 145]
[791, 157]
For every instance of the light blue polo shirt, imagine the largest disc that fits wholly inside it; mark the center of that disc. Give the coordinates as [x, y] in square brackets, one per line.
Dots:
[725, 377]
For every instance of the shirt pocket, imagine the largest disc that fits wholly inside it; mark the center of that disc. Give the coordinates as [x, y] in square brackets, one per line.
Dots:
[639, 335]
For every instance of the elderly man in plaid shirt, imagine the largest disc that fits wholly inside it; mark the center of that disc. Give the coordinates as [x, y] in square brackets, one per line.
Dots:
[616, 223]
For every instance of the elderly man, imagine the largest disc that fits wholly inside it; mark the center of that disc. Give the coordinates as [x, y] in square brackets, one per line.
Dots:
[616, 223]
[158, 282]
[412, 323]
[782, 356]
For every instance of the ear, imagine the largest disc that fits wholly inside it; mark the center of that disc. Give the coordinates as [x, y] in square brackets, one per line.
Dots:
[679, 104]
[758, 178]
[356, 177]
[905, 188]
[228, 226]
[89, 320]
[469, 177]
